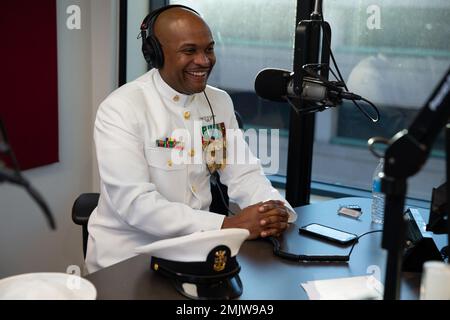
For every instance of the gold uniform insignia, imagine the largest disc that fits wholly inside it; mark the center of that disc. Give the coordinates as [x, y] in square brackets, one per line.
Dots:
[214, 146]
[216, 155]
[220, 260]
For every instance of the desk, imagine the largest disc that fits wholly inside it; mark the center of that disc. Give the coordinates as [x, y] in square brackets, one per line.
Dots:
[265, 276]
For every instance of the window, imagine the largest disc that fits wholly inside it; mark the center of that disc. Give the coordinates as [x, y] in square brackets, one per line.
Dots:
[393, 53]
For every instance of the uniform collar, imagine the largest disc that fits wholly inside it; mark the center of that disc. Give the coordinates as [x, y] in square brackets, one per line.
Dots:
[171, 94]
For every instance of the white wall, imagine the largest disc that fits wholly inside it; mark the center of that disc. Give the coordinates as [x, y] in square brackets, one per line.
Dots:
[105, 60]
[86, 74]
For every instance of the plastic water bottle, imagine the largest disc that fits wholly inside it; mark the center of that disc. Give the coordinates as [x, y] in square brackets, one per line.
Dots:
[377, 195]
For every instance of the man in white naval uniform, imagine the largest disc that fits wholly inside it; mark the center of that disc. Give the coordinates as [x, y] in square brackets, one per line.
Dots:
[145, 195]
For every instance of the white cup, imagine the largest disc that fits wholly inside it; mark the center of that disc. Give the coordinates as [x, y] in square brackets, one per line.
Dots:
[435, 281]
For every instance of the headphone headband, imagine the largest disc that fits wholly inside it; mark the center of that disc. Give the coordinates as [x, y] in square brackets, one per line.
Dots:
[155, 13]
[151, 47]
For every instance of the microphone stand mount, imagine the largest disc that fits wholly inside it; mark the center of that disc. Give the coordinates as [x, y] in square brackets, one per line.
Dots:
[408, 150]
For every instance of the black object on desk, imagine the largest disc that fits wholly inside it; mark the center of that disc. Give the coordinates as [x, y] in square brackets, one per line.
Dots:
[420, 246]
[328, 233]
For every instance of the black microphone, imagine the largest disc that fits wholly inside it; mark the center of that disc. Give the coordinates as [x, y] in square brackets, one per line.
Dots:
[278, 85]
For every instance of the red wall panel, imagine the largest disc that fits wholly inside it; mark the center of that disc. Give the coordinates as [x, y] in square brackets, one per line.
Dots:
[28, 80]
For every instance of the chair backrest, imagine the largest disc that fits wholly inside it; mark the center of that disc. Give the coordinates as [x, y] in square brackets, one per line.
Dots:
[81, 210]
[87, 202]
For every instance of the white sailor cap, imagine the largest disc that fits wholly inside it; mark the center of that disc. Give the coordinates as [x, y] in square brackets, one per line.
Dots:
[201, 265]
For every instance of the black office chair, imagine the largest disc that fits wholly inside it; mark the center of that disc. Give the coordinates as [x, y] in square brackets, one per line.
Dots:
[81, 210]
[86, 202]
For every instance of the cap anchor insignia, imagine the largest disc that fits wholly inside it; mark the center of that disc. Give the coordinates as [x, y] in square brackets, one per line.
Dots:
[220, 260]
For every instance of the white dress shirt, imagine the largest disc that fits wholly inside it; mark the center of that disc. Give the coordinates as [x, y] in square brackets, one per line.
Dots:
[148, 195]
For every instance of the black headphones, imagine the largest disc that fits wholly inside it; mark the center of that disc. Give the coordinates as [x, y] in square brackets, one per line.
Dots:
[151, 48]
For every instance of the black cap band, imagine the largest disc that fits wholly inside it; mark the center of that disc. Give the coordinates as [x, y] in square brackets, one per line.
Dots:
[219, 265]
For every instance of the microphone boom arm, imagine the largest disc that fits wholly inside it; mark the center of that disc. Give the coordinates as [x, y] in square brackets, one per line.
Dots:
[408, 150]
[16, 178]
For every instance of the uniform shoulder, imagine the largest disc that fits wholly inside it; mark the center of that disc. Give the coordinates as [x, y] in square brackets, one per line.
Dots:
[219, 96]
[128, 103]
[130, 96]
[132, 89]
[216, 92]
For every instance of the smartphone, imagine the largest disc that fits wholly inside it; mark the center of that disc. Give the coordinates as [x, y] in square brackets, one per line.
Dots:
[328, 233]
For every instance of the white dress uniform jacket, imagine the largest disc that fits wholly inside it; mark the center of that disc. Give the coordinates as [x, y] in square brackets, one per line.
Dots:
[145, 196]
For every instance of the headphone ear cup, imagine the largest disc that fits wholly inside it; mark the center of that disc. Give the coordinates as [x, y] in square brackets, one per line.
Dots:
[151, 48]
[158, 60]
[152, 52]
[147, 51]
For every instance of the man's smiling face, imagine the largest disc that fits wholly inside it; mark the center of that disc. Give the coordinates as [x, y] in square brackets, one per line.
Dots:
[188, 49]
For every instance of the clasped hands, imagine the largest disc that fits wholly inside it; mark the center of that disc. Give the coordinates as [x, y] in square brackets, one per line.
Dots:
[263, 219]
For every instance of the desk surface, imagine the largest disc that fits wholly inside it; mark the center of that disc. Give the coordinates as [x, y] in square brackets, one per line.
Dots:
[265, 276]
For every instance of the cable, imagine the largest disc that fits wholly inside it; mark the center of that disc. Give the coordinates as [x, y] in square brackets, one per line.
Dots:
[359, 237]
[215, 182]
[325, 82]
[374, 120]
[212, 175]
[5, 148]
[334, 74]
[336, 87]
[318, 258]
[210, 108]
[341, 78]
